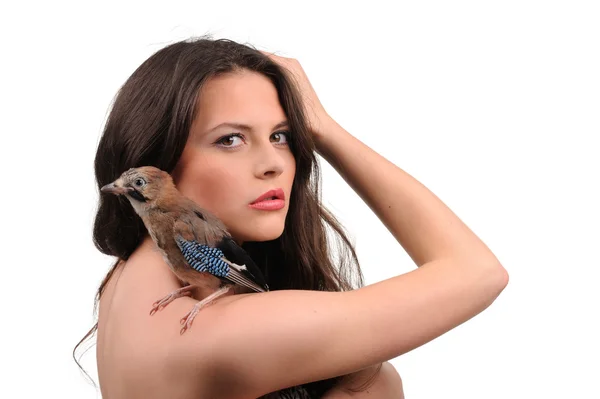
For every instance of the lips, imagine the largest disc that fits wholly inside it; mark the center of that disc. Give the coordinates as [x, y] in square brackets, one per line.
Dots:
[272, 200]
[276, 194]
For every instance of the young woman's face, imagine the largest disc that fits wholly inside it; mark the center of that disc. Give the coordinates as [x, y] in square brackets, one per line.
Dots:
[237, 151]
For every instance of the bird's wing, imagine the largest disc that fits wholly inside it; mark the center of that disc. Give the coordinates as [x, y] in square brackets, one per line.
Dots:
[236, 255]
[223, 259]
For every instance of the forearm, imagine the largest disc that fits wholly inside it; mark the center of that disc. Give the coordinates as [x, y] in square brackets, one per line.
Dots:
[425, 227]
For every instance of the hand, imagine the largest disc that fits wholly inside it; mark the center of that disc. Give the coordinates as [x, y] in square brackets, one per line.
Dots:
[318, 119]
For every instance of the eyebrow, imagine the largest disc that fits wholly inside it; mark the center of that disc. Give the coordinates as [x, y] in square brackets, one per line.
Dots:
[241, 126]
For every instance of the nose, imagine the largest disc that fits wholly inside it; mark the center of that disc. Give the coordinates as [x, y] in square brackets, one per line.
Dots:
[269, 161]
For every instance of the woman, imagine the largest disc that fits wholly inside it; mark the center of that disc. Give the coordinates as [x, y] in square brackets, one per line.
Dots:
[231, 123]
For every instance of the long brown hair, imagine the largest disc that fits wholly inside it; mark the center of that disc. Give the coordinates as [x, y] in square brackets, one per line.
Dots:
[149, 124]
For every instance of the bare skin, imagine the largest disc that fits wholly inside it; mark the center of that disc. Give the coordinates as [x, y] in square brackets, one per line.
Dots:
[387, 384]
[247, 345]
[124, 321]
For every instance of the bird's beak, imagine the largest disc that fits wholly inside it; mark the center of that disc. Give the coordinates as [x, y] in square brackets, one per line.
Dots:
[113, 188]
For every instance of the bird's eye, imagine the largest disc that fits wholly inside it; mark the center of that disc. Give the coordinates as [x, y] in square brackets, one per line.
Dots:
[139, 182]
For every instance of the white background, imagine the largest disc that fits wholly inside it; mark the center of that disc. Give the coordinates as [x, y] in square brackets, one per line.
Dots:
[494, 106]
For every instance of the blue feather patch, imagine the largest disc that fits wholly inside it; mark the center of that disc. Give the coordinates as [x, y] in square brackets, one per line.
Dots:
[203, 258]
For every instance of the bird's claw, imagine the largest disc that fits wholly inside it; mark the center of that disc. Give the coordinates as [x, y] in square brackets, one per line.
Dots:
[163, 302]
[188, 319]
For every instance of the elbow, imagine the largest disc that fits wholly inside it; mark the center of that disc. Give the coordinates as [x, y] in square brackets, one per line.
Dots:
[496, 280]
[502, 278]
[489, 279]
[492, 273]
[488, 274]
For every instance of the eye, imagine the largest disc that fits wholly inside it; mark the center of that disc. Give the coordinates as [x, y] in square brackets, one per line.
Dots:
[230, 140]
[280, 137]
[139, 182]
[200, 215]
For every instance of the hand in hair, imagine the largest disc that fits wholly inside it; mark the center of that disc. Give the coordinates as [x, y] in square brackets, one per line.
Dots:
[318, 119]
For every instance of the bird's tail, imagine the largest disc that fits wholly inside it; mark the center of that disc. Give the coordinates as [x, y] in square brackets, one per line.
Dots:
[237, 277]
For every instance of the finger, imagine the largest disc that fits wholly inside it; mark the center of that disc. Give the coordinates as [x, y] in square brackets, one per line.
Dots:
[267, 53]
[274, 56]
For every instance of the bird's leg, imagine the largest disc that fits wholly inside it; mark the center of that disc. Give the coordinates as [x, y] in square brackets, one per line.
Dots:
[161, 303]
[189, 318]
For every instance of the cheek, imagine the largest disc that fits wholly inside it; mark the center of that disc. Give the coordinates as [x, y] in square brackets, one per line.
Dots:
[211, 185]
[291, 169]
[293, 166]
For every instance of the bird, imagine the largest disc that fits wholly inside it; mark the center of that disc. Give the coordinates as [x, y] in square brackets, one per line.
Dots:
[194, 243]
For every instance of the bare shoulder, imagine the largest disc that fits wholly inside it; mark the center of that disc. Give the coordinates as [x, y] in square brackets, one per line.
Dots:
[132, 346]
[253, 344]
[247, 345]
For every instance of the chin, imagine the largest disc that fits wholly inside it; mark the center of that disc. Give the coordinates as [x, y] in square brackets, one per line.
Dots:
[257, 227]
[259, 235]
[258, 231]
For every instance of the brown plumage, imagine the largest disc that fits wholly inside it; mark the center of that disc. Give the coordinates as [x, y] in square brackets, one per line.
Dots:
[194, 242]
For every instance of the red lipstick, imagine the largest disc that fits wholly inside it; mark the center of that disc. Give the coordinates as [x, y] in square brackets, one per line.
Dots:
[272, 200]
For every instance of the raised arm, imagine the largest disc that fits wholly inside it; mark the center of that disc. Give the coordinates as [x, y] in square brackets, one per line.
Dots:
[259, 343]
[425, 227]
[248, 345]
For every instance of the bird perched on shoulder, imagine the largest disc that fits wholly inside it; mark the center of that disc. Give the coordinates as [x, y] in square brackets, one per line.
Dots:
[194, 243]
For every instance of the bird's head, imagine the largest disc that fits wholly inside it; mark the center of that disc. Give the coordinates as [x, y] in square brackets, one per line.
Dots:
[144, 186]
